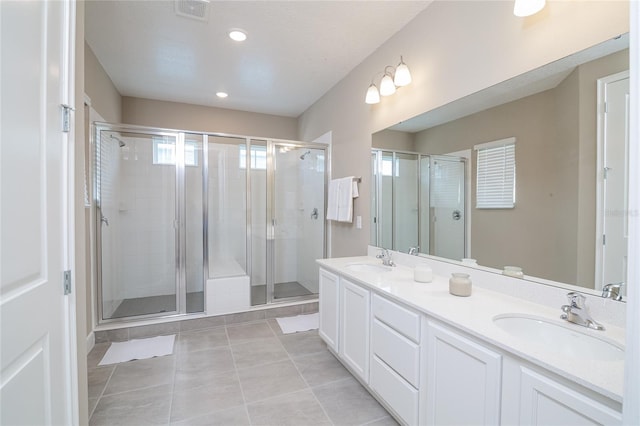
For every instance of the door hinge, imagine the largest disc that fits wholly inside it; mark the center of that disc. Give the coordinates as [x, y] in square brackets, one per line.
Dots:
[606, 108]
[66, 118]
[67, 282]
[604, 239]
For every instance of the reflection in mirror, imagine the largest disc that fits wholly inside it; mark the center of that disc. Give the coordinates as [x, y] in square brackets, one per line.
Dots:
[418, 202]
[569, 200]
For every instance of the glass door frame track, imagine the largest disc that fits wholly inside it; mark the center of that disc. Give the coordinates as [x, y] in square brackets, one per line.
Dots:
[180, 214]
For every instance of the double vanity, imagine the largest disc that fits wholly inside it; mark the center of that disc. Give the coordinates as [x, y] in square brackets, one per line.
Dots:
[432, 358]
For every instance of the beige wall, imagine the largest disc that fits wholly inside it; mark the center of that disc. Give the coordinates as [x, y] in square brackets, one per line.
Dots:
[453, 49]
[175, 115]
[81, 254]
[393, 140]
[105, 98]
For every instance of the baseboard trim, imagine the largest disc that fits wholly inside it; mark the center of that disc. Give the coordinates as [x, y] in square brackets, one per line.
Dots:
[91, 341]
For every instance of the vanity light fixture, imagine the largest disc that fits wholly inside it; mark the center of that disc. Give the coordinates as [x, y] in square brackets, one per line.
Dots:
[237, 35]
[524, 8]
[392, 79]
[222, 95]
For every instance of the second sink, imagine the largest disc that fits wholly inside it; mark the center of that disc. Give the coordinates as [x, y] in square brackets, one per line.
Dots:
[559, 338]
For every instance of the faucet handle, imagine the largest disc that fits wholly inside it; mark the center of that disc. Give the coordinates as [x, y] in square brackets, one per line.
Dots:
[383, 253]
[612, 291]
[576, 300]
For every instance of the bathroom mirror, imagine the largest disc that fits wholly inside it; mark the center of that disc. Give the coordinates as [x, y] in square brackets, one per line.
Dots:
[564, 209]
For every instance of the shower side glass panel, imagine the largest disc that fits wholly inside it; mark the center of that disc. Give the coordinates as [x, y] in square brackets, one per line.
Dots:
[135, 191]
[227, 207]
[256, 157]
[193, 222]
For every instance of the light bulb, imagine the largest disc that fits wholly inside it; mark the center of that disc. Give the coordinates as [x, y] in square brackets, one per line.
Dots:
[373, 96]
[403, 76]
[237, 35]
[524, 8]
[386, 86]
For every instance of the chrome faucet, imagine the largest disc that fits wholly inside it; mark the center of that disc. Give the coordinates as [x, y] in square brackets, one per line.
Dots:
[413, 251]
[576, 312]
[385, 255]
[612, 291]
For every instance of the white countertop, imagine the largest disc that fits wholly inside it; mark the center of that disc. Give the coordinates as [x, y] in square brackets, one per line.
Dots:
[474, 315]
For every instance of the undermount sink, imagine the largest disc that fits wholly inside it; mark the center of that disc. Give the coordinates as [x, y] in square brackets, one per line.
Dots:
[559, 338]
[368, 267]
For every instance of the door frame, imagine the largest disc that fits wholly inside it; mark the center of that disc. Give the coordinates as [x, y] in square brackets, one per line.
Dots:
[600, 165]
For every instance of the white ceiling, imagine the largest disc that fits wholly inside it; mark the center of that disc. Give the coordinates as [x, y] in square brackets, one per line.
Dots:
[295, 51]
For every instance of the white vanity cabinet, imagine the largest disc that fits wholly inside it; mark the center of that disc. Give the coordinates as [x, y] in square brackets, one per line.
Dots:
[535, 397]
[463, 379]
[354, 327]
[427, 371]
[395, 357]
[329, 300]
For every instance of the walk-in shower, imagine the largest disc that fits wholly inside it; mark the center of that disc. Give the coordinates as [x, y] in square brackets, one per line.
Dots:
[189, 222]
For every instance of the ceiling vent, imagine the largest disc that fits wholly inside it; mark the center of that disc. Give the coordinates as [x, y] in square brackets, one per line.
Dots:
[195, 9]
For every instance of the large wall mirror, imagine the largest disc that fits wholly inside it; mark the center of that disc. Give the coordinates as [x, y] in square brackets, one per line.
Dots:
[569, 120]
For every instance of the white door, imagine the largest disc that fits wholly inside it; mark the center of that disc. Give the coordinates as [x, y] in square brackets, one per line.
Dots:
[543, 401]
[354, 328]
[463, 380]
[37, 348]
[614, 178]
[329, 308]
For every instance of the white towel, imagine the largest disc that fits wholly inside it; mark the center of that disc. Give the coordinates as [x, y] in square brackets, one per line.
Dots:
[340, 199]
[332, 200]
[345, 199]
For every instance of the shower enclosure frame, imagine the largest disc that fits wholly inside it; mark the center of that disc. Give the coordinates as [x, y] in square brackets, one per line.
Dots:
[180, 215]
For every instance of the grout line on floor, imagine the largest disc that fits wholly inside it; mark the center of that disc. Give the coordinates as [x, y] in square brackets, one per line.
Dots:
[307, 383]
[235, 371]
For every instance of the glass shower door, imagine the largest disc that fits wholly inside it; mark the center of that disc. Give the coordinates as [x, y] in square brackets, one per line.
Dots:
[297, 210]
[447, 201]
[136, 223]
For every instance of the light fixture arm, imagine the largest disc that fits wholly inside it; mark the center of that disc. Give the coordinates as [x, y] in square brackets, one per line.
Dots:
[392, 78]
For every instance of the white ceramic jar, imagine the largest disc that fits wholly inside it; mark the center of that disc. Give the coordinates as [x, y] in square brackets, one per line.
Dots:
[460, 284]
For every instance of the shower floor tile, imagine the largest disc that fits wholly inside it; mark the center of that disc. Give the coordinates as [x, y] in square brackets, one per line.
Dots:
[280, 291]
[157, 304]
[215, 377]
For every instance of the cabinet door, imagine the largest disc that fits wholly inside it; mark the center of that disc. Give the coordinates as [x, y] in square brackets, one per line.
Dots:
[463, 380]
[354, 330]
[329, 299]
[544, 401]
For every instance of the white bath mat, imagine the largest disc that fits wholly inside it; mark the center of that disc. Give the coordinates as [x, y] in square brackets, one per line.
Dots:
[138, 349]
[299, 323]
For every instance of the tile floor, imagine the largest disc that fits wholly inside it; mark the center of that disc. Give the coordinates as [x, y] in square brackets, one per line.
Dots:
[237, 374]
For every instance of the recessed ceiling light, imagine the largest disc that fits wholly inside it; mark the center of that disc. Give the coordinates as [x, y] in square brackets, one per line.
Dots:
[237, 35]
[222, 94]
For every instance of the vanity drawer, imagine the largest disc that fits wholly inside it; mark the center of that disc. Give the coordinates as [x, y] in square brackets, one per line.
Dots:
[397, 393]
[395, 316]
[401, 354]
